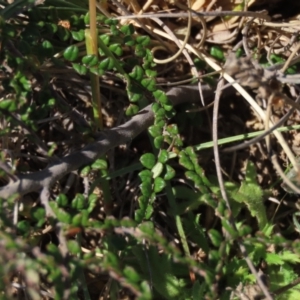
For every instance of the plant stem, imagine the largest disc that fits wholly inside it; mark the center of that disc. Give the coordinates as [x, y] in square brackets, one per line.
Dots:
[91, 40]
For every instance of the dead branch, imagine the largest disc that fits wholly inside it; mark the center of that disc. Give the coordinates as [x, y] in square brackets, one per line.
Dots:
[107, 140]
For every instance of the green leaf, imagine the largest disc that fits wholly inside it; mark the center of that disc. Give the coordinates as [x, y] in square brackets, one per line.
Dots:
[63, 216]
[170, 173]
[161, 97]
[217, 53]
[139, 51]
[97, 71]
[129, 41]
[172, 129]
[79, 202]
[148, 160]
[137, 73]
[101, 18]
[160, 113]
[145, 210]
[151, 73]
[132, 110]
[8, 104]
[251, 194]
[148, 212]
[87, 19]
[105, 39]
[163, 156]
[155, 130]
[199, 64]
[274, 259]
[131, 274]
[127, 29]
[134, 97]
[215, 237]
[100, 164]
[23, 227]
[47, 47]
[85, 171]
[147, 179]
[63, 33]
[190, 151]
[51, 28]
[38, 214]
[92, 202]
[71, 53]
[198, 290]
[73, 247]
[25, 83]
[85, 218]
[147, 228]
[107, 64]
[228, 227]
[62, 200]
[146, 188]
[90, 60]
[290, 257]
[185, 161]
[149, 84]
[77, 220]
[143, 201]
[116, 48]
[79, 68]
[143, 40]
[155, 107]
[276, 58]
[157, 169]
[145, 175]
[214, 256]
[160, 122]
[114, 30]
[78, 35]
[158, 142]
[159, 184]
[135, 93]
[53, 249]
[51, 102]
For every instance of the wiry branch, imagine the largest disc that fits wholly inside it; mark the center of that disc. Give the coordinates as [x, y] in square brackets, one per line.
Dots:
[107, 140]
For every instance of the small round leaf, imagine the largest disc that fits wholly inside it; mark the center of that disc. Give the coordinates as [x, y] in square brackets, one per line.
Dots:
[90, 60]
[116, 49]
[106, 64]
[99, 164]
[149, 84]
[159, 184]
[170, 173]
[146, 188]
[137, 73]
[157, 169]
[163, 156]
[155, 131]
[79, 202]
[62, 200]
[217, 53]
[78, 35]
[145, 175]
[80, 69]
[131, 110]
[71, 53]
[148, 160]
[158, 141]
